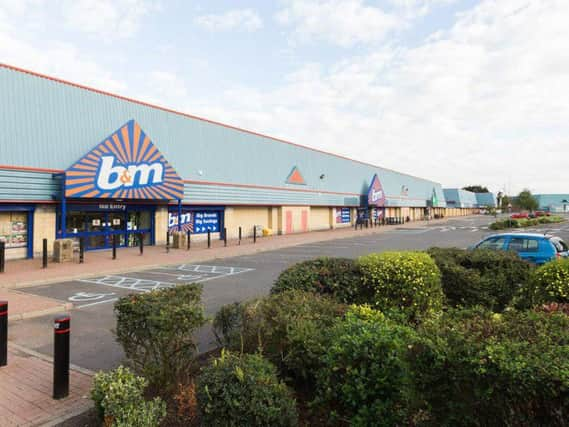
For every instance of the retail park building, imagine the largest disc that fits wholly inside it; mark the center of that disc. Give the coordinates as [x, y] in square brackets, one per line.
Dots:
[79, 162]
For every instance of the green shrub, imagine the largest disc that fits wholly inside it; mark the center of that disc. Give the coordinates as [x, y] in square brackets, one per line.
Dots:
[407, 281]
[244, 391]
[480, 277]
[287, 328]
[365, 378]
[118, 397]
[338, 277]
[156, 331]
[477, 368]
[548, 283]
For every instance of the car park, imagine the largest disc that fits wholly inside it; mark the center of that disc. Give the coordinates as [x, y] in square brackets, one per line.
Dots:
[533, 247]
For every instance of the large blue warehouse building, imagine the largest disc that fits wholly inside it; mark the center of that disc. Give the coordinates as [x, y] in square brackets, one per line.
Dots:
[79, 162]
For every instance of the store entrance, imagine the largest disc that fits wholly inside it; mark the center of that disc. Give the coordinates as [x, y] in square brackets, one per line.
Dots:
[99, 227]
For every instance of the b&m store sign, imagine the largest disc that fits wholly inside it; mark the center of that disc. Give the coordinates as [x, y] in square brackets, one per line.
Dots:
[196, 222]
[125, 165]
[375, 194]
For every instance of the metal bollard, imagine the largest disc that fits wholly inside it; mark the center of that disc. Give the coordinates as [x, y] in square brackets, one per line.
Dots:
[114, 246]
[44, 253]
[225, 237]
[61, 333]
[167, 242]
[81, 250]
[239, 234]
[208, 239]
[141, 243]
[3, 333]
[254, 234]
[189, 237]
[2, 257]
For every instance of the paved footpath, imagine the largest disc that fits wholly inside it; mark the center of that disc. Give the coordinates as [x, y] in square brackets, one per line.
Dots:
[26, 390]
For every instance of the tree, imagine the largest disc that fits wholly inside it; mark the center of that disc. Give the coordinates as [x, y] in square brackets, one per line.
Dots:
[526, 200]
[505, 202]
[476, 189]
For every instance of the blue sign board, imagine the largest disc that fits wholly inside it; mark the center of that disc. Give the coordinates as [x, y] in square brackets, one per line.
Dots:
[197, 222]
[343, 216]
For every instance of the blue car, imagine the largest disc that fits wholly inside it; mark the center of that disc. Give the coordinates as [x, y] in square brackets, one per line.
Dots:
[533, 247]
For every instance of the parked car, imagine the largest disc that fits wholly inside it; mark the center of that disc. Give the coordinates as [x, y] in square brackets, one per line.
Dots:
[520, 215]
[542, 213]
[533, 247]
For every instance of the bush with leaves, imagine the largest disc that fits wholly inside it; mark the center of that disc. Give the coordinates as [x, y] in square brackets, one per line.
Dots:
[156, 331]
[286, 327]
[337, 277]
[119, 400]
[480, 277]
[548, 283]
[365, 378]
[406, 281]
[244, 391]
[476, 368]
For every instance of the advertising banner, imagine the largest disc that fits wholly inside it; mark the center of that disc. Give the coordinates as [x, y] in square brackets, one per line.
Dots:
[343, 215]
[196, 222]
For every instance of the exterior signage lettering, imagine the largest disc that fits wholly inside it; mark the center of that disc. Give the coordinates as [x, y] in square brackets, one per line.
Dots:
[375, 194]
[126, 165]
[196, 222]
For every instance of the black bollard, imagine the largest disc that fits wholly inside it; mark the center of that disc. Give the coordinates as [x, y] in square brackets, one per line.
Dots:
[3, 333]
[141, 243]
[208, 239]
[239, 234]
[189, 237]
[254, 234]
[225, 237]
[114, 246]
[2, 257]
[167, 241]
[44, 253]
[81, 250]
[61, 332]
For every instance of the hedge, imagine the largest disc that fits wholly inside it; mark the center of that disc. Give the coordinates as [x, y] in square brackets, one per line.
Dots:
[337, 277]
[480, 277]
[287, 328]
[476, 368]
[548, 283]
[156, 331]
[406, 281]
[244, 391]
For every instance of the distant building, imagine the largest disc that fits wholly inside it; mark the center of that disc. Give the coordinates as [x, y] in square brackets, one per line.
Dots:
[486, 200]
[553, 202]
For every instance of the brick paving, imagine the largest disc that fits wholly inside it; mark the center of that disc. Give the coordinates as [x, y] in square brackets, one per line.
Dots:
[23, 306]
[20, 273]
[26, 389]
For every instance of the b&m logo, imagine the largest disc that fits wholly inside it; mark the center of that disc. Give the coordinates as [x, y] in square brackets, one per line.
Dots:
[126, 165]
[112, 176]
[375, 195]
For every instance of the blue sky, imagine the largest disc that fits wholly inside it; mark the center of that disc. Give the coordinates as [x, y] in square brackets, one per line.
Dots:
[459, 91]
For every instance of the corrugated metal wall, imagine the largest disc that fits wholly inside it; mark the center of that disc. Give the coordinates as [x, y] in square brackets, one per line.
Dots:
[49, 124]
[28, 186]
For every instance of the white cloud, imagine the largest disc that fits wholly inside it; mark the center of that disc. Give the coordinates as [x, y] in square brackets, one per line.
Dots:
[238, 19]
[484, 102]
[108, 19]
[341, 22]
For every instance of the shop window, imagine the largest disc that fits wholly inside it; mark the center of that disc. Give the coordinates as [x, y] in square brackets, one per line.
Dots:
[14, 229]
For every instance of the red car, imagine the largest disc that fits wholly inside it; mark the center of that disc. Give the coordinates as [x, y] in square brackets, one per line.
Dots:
[520, 215]
[541, 213]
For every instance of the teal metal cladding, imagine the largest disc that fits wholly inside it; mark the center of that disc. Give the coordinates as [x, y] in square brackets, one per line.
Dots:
[458, 198]
[49, 124]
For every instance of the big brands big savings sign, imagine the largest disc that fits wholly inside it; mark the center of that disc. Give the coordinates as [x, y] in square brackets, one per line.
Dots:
[125, 165]
[375, 194]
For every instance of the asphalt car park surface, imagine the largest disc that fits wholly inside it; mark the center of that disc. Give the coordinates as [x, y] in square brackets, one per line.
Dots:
[224, 281]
